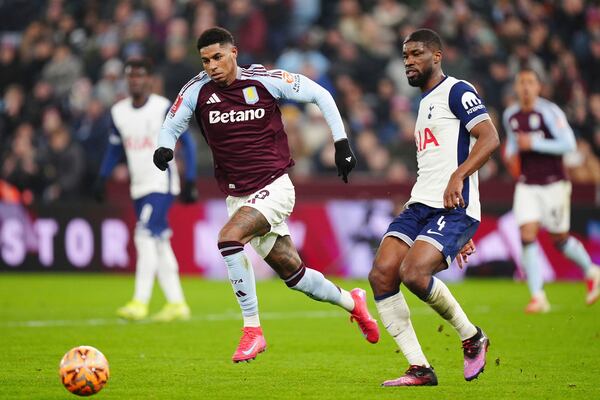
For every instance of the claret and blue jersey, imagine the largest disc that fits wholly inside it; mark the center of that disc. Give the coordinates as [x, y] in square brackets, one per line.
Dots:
[242, 123]
[551, 137]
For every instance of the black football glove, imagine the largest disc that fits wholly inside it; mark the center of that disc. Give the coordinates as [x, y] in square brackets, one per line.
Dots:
[189, 192]
[161, 158]
[345, 160]
[99, 189]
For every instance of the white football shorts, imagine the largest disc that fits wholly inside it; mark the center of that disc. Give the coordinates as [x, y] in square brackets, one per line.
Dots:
[550, 205]
[276, 202]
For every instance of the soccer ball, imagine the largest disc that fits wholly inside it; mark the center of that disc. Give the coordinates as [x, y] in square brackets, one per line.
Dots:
[84, 370]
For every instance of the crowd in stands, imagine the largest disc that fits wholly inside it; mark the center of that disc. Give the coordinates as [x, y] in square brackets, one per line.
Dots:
[61, 69]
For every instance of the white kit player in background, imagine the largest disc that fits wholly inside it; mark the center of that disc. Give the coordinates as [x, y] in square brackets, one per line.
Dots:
[454, 137]
[538, 135]
[136, 124]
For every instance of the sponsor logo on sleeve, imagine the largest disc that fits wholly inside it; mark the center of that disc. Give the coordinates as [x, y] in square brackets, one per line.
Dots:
[292, 79]
[286, 76]
[471, 102]
[175, 106]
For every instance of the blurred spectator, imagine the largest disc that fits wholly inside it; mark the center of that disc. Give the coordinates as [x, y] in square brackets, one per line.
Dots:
[62, 71]
[304, 14]
[42, 98]
[277, 17]
[20, 166]
[523, 56]
[138, 41]
[112, 86]
[11, 71]
[591, 66]
[63, 161]
[90, 131]
[11, 111]
[176, 70]
[66, 59]
[248, 25]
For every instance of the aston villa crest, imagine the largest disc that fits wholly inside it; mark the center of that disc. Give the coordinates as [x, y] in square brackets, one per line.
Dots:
[250, 95]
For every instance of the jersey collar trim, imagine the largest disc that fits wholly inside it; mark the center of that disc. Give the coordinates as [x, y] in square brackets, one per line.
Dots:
[142, 105]
[433, 88]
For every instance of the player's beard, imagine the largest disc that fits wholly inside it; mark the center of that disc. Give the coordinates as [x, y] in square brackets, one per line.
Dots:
[420, 78]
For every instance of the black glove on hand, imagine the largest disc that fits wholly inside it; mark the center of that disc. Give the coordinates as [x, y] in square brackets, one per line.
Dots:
[189, 192]
[162, 156]
[345, 160]
[99, 189]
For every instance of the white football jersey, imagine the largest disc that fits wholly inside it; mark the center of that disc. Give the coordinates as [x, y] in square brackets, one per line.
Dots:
[137, 130]
[446, 115]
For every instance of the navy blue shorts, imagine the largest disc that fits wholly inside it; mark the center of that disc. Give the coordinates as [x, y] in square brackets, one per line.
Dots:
[151, 211]
[447, 230]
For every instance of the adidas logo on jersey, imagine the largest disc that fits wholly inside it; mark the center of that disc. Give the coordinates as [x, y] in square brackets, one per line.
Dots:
[213, 99]
[215, 117]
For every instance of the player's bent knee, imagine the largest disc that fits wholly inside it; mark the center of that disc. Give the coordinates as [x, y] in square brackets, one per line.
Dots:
[383, 278]
[559, 240]
[227, 234]
[412, 277]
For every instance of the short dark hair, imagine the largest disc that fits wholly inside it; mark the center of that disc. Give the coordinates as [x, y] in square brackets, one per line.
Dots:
[530, 69]
[426, 36]
[139, 62]
[214, 35]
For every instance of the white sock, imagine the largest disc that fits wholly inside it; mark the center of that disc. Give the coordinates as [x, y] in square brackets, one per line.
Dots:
[168, 272]
[146, 265]
[252, 321]
[395, 316]
[442, 301]
[531, 264]
[573, 249]
[241, 276]
[313, 284]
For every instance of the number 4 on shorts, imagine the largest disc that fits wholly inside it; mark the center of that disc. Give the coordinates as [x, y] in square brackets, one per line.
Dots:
[441, 223]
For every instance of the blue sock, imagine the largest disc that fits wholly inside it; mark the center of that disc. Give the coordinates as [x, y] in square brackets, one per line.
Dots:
[241, 276]
[313, 284]
[531, 264]
[573, 249]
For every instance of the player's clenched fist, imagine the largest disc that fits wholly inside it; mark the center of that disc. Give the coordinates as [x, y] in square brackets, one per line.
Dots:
[345, 161]
[162, 156]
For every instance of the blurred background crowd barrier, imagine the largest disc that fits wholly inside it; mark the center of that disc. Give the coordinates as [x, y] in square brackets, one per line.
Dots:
[336, 233]
[61, 69]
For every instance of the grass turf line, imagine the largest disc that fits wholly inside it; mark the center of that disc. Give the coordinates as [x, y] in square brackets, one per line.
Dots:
[313, 351]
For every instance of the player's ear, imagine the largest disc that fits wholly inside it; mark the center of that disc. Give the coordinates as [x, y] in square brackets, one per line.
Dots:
[437, 56]
[234, 52]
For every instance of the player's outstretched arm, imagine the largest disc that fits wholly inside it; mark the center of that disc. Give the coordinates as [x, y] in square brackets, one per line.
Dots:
[189, 192]
[298, 87]
[563, 138]
[176, 122]
[510, 156]
[114, 154]
[487, 142]
[161, 158]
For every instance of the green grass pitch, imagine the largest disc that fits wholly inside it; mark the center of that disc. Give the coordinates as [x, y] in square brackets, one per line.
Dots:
[313, 351]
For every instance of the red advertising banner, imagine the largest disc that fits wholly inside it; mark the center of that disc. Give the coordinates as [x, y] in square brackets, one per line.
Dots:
[338, 237]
